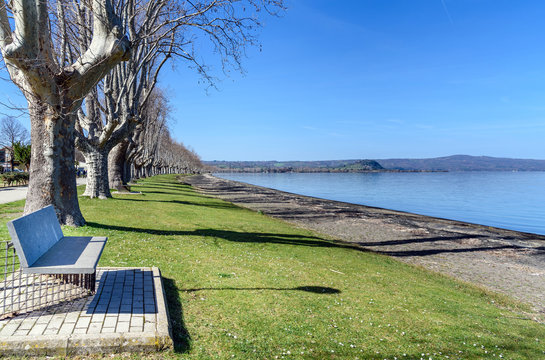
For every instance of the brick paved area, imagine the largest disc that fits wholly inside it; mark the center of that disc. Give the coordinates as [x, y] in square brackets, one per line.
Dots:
[127, 313]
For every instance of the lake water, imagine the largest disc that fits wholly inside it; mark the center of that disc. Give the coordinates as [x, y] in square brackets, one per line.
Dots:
[510, 200]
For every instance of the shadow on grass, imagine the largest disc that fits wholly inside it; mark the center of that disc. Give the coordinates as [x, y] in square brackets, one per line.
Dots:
[173, 192]
[179, 202]
[313, 241]
[311, 289]
[165, 186]
[235, 236]
[419, 240]
[180, 335]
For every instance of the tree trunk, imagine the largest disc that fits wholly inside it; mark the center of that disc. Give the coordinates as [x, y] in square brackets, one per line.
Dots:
[97, 174]
[52, 173]
[117, 167]
[127, 172]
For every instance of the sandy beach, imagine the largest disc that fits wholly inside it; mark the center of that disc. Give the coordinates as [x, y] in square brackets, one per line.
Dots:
[504, 261]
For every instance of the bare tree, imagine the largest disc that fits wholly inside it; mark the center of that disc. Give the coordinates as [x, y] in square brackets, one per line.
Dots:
[152, 126]
[12, 132]
[54, 80]
[228, 26]
[111, 110]
[154, 151]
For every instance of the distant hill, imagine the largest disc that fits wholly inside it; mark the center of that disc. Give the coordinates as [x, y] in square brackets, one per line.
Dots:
[447, 163]
[295, 166]
[464, 163]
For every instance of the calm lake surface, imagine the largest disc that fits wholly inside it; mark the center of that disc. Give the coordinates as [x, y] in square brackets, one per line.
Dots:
[510, 200]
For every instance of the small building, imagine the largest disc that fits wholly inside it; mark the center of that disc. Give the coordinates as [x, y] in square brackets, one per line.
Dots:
[5, 158]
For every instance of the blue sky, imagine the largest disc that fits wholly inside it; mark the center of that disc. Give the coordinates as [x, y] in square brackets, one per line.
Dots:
[376, 79]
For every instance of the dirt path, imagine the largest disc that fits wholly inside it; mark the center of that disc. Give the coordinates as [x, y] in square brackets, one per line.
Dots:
[506, 261]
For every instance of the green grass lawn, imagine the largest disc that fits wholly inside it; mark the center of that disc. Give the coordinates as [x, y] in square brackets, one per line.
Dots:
[242, 285]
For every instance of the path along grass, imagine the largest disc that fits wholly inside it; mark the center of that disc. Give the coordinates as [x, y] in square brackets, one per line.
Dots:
[242, 285]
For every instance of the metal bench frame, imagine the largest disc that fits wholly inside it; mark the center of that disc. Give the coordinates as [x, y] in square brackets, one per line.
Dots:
[43, 249]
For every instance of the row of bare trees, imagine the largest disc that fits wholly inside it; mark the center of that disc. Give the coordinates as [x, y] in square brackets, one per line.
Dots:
[89, 70]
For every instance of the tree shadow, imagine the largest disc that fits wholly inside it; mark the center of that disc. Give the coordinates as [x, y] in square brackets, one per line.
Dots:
[310, 289]
[313, 241]
[427, 252]
[235, 236]
[168, 186]
[420, 240]
[180, 202]
[180, 335]
[165, 192]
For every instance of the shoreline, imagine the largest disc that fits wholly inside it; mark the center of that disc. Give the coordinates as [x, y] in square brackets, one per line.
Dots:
[505, 261]
[409, 213]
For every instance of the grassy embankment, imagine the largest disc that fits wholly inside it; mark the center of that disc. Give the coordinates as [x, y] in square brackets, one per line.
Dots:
[243, 285]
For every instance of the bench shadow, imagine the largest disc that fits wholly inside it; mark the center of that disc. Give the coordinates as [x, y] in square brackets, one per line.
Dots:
[180, 335]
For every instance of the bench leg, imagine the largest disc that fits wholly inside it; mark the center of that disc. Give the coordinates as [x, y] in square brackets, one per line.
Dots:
[86, 281]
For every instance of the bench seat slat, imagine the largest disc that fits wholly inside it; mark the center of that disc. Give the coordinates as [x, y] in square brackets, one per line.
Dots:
[70, 255]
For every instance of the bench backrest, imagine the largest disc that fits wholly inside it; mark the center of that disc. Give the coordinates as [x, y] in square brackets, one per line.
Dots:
[34, 234]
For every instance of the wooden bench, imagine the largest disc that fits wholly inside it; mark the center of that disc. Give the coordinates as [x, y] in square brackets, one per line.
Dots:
[43, 249]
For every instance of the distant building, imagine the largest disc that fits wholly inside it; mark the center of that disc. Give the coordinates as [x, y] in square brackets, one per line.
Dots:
[5, 159]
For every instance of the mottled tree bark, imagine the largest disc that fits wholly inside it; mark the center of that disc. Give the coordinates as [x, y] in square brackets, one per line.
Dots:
[97, 174]
[117, 167]
[52, 173]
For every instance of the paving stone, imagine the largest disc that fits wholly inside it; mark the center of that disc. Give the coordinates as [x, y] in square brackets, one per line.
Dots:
[122, 326]
[149, 327]
[51, 331]
[56, 322]
[21, 332]
[80, 331]
[9, 329]
[98, 318]
[136, 329]
[67, 328]
[137, 320]
[83, 322]
[112, 309]
[110, 322]
[44, 319]
[72, 317]
[27, 324]
[124, 317]
[94, 328]
[38, 329]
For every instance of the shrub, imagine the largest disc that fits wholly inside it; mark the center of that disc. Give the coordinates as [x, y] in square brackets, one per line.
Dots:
[17, 178]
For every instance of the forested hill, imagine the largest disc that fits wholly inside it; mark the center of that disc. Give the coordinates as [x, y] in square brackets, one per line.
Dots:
[295, 166]
[447, 163]
[464, 163]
